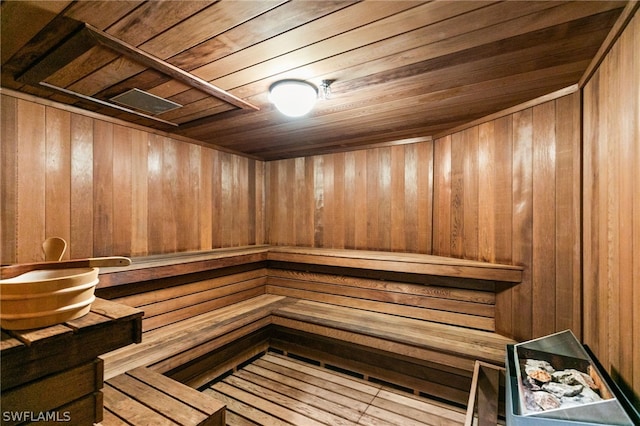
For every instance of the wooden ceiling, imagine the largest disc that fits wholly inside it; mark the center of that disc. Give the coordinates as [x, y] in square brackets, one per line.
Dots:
[401, 69]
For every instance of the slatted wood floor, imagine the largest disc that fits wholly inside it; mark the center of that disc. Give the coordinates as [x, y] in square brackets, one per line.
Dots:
[276, 390]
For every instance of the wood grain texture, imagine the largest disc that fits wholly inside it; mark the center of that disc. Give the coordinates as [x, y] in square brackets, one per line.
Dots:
[108, 188]
[611, 203]
[376, 199]
[401, 69]
[495, 200]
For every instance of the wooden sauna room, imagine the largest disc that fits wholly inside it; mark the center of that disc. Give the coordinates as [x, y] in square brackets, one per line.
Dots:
[447, 230]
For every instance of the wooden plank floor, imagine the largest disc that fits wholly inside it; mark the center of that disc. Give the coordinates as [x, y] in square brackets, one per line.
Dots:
[276, 390]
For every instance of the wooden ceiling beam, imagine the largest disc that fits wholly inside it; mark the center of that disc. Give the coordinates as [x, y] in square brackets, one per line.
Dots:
[158, 64]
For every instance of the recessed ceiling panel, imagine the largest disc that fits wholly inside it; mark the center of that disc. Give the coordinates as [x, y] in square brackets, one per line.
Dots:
[145, 101]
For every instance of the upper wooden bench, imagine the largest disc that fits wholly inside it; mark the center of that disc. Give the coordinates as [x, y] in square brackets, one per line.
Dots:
[435, 311]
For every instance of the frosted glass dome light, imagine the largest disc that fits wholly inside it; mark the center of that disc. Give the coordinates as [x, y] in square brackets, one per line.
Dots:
[293, 98]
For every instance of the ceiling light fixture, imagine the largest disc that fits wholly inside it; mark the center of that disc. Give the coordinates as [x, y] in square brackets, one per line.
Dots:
[293, 98]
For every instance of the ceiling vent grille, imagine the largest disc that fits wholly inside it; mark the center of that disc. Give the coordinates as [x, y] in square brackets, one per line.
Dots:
[145, 101]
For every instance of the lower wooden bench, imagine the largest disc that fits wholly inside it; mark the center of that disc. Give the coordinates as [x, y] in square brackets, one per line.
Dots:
[144, 397]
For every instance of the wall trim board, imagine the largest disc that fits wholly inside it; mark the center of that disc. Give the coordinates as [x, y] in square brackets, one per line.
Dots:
[620, 25]
[528, 104]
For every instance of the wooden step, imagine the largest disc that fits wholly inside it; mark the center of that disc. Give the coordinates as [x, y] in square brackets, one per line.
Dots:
[144, 397]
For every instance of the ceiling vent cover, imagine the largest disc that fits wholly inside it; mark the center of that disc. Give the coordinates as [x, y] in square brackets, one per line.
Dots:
[145, 101]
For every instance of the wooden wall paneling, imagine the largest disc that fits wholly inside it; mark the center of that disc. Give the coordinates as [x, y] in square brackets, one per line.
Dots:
[543, 221]
[360, 199]
[31, 182]
[302, 201]
[373, 197]
[488, 198]
[191, 221]
[457, 196]
[522, 232]
[139, 193]
[384, 199]
[156, 203]
[627, 102]
[398, 196]
[103, 188]
[338, 204]
[635, 300]
[216, 184]
[470, 191]
[122, 195]
[8, 178]
[170, 187]
[419, 187]
[590, 214]
[500, 153]
[611, 230]
[206, 200]
[241, 195]
[58, 174]
[226, 188]
[80, 244]
[260, 202]
[442, 196]
[568, 222]
[318, 163]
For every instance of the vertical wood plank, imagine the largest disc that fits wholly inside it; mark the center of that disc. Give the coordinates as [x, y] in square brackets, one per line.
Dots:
[327, 218]
[471, 186]
[259, 197]
[397, 205]
[317, 163]
[226, 186]
[338, 238]
[170, 188]
[58, 175]
[303, 208]
[612, 285]
[156, 202]
[442, 195]
[139, 193]
[359, 202]
[81, 202]
[373, 201]
[503, 219]
[122, 191]
[522, 236]
[412, 207]
[635, 82]
[590, 214]
[488, 196]
[216, 185]
[628, 101]
[425, 196]
[568, 315]
[206, 197]
[457, 195]
[544, 267]
[349, 180]
[384, 199]
[191, 221]
[103, 188]
[31, 160]
[8, 178]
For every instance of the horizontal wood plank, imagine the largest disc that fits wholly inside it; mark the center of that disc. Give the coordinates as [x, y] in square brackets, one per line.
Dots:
[405, 262]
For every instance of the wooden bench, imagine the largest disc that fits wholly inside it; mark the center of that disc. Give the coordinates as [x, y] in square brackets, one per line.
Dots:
[415, 320]
[144, 397]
